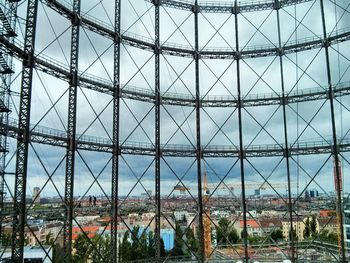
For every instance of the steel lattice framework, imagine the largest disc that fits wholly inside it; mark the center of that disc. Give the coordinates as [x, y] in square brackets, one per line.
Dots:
[174, 158]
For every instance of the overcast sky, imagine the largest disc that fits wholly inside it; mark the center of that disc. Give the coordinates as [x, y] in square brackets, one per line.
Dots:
[217, 77]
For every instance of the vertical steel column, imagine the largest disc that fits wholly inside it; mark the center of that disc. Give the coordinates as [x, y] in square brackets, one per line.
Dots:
[116, 119]
[198, 134]
[6, 79]
[71, 131]
[335, 140]
[277, 6]
[157, 52]
[24, 134]
[240, 127]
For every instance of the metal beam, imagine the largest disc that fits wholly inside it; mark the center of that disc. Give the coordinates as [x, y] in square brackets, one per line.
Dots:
[157, 52]
[71, 132]
[172, 49]
[227, 6]
[116, 120]
[240, 128]
[285, 130]
[10, 16]
[198, 134]
[335, 152]
[24, 134]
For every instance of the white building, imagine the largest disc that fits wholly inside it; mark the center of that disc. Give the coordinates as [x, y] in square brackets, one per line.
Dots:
[347, 221]
[180, 215]
[32, 254]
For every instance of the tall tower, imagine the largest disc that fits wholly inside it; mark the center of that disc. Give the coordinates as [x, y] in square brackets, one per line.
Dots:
[206, 217]
[36, 195]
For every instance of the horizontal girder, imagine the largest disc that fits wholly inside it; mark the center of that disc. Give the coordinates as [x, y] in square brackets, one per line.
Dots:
[55, 137]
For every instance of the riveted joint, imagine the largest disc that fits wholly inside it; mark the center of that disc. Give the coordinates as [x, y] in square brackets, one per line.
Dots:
[330, 93]
[242, 154]
[71, 144]
[284, 100]
[157, 2]
[277, 5]
[116, 150]
[76, 19]
[325, 42]
[195, 8]
[196, 55]
[335, 149]
[158, 98]
[235, 10]
[198, 103]
[280, 51]
[29, 60]
[159, 153]
[287, 153]
[237, 55]
[74, 79]
[117, 38]
[157, 50]
[25, 136]
[240, 103]
[199, 154]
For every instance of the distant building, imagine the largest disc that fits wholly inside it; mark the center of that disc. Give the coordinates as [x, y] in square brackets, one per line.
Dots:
[253, 227]
[36, 195]
[168, 236]
[39, 231]
[31, 254]
[322, 224]
[298, 226]
[261, 227]
[313, 193]
[326, 213]
[328, 224]
[347, 221]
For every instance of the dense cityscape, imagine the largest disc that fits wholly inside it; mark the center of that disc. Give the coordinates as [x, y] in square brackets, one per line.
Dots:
[315, 228]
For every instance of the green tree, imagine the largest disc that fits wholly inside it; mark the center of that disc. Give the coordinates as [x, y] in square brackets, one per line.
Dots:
[313, 226]
[328, 237]
[307, 230]
[6, 239]
[81, 249]
[49, 239]
[125, 248]
[226, 233]
[96, 249]
[151, 245]
[101, 249]
[57, 250]
[58, 254]
[192, 241]
[138, 245]
[178, 242]
[141, 245]
[277, 234]
[254, 240]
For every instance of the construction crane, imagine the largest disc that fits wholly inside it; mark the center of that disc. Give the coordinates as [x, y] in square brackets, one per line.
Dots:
[181, 188]
[232, 186]
[258, 186]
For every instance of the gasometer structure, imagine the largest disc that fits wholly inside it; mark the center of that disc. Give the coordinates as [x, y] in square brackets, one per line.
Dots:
[179, 130]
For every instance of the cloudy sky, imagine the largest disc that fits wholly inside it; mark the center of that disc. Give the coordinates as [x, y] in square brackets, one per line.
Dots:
[262, 125]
